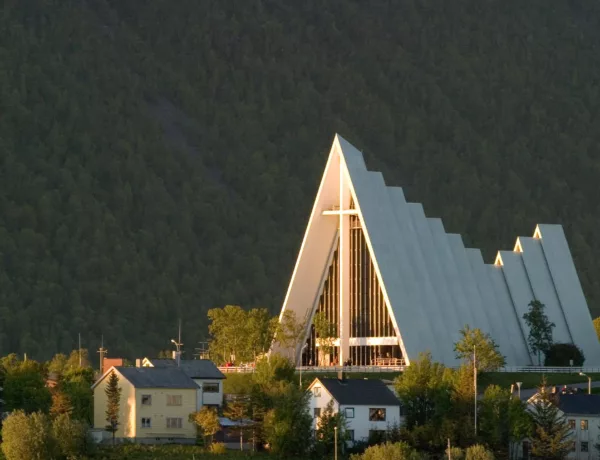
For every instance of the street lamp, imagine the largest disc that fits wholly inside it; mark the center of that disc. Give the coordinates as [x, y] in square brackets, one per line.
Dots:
[519, 386]
[589, 382]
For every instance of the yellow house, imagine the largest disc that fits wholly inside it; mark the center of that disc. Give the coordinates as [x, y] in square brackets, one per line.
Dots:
[155, 403]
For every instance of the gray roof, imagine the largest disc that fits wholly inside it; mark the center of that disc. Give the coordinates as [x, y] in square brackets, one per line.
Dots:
[157, 377]
[194, 368]
[579, 403]
[359, 392]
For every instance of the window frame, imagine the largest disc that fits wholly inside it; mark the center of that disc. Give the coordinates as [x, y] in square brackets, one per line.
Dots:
[148, 398]
[572, 424]
[584, 425]
[179, 423]
[146, 422]
[587, 446]
[172, 400]
[317, 411]
[209, 387]
[375, 410]
[350, 435]
[316, 392]
[346, 412]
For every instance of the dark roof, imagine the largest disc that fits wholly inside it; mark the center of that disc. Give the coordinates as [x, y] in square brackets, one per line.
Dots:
[360, 392]
[157, 377]
[194, 368]
[579, 403]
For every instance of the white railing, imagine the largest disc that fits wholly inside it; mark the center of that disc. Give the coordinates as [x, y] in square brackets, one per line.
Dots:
[550, 370]
[327, 369]
[236, 369]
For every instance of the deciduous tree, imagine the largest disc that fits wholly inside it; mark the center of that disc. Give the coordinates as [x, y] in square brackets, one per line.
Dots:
[540, 329]
[487, 351]
[207, 421]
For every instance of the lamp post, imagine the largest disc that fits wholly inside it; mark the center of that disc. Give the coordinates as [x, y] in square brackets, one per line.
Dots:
[519, 386]
[475, 385]
[335, 442]
[589, 382]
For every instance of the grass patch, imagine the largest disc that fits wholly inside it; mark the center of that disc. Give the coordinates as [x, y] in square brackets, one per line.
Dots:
[171, 452]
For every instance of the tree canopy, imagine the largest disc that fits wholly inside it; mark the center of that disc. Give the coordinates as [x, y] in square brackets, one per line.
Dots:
[478, 345]
[160, 158]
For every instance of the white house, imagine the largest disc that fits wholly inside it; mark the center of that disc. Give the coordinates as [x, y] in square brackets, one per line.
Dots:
[202, 371]
[582, 412]
[369, 406]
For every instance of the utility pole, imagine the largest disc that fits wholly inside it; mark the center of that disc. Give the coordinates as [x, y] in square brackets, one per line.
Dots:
[102, 352]
[475, 384]
[449, 453]
[79, 335]
[178, 346]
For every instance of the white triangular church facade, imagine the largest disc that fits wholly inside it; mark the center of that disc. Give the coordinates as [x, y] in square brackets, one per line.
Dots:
[395, 284]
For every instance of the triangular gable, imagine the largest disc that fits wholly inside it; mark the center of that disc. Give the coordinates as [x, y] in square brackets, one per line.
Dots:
[103, 376]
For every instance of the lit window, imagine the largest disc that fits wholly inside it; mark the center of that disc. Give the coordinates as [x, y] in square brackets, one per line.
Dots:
[316, 412]
[317, 391]
[572, 424]
[146, 422]
[146, 400]
[349, 412]
[584, 425]
[584, 446]
[174, 422]
[211, 388]
[376, 415]
[173, 400]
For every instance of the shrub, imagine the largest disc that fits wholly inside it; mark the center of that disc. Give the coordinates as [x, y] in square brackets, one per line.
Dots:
[478, 452]
[27, 436]
[389, 451]
[560, 354]
[218, 448]
[456, 453]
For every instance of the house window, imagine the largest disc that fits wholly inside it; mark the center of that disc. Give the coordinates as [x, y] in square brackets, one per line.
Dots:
[402, 410]
[584, 446]
[349, 412]
[350, 435]
[584, 425]
[174, 422]
[316, 412]
[376, 415]
[146, 422]
[527, 449]
[146, 400]
[211, 388]
[317, 391]
[376, 436]
[173, 400]
[572, 424]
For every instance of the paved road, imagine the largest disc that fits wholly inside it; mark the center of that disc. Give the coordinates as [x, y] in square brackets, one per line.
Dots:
[529, 392]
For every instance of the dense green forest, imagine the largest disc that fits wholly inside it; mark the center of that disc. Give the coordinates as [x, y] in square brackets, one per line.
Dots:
[159, 158]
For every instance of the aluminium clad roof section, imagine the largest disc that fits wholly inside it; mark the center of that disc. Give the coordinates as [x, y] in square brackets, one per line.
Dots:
[473, 300]
[510, 313]
[391, 259]
[570, 293]
[543, 287]
[426, 288]
[444, 299]
[451, 271]
[499, 315]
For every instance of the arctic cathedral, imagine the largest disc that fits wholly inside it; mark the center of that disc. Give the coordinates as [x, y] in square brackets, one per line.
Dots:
[394, 283]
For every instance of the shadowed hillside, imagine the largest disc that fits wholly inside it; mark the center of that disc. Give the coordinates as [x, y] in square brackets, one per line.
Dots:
[159, 158]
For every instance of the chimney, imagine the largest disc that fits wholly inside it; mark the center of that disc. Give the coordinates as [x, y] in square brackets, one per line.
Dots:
[138, 362]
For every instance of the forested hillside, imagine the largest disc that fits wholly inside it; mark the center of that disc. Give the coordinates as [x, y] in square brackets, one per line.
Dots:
[159, 157]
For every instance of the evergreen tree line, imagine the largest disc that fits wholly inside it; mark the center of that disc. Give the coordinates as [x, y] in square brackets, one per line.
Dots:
[159, 158]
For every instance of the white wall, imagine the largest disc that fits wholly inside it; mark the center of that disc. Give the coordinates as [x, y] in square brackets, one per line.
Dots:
[360, 423]
[209, 398]
[590, 436]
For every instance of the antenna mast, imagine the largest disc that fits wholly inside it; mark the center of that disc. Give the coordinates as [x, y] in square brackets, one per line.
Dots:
[102, 352]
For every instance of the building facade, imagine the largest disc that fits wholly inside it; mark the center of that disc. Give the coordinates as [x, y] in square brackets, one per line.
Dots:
[155, 404]
[393, 283]
[368, 406]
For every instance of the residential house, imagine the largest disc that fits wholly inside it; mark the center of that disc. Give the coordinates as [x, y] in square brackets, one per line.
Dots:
[369, 406]
[582, 412]
[202, 371]
[155, 404]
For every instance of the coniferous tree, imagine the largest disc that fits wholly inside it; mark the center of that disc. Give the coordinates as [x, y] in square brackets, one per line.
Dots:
[113, 403]
[325, 435]
[551, 436]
